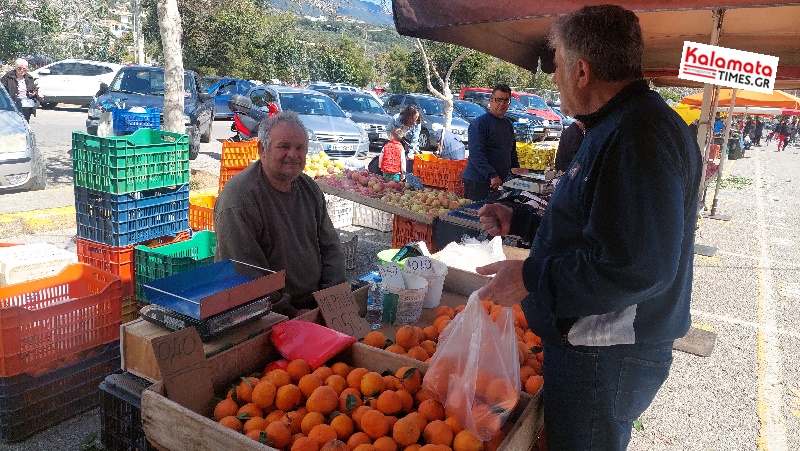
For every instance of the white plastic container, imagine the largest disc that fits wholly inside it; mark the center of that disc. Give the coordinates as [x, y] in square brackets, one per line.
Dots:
[404, 305]
[32, 261]
[435, 278]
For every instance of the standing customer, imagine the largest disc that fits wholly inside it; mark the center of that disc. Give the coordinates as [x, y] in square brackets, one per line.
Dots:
[568, 145]
[273, 216]
[22, 88]
[410, 125]
[492, 147]
[758, 132]
[608, 281]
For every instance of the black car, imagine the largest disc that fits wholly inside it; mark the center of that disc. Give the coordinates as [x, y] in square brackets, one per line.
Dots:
[431, 115]
[365, 111]
[143, 86]
[469, 111]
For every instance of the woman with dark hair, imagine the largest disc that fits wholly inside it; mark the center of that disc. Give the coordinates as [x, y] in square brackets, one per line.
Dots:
[409, 122]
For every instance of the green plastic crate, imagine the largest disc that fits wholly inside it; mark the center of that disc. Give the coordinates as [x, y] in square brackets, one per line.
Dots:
[144, 160]
[163, 261]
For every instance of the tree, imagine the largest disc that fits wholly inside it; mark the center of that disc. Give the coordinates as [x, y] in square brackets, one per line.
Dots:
[445, 94]
[169, 22]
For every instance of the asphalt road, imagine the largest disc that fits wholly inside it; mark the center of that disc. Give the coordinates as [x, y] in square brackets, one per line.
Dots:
[746, 395]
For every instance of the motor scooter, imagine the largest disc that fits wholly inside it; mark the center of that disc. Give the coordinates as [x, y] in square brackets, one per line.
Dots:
[247, 117]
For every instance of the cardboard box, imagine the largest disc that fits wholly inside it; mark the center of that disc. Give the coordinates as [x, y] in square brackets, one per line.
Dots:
[171, 426]
[136, 339]
[463, 282]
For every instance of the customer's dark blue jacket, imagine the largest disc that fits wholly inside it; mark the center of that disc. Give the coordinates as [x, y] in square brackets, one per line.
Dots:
[611, 262]
[492, 149]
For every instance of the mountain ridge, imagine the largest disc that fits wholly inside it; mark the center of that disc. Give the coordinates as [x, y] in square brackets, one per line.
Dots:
[356, 9]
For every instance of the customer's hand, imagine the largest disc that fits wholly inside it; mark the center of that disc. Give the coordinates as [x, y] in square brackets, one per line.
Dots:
[496, 219]
[506, 287]
[496, 182]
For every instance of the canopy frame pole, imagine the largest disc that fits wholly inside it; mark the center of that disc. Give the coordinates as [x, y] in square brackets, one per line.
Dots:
[722, 158]
[704, 134]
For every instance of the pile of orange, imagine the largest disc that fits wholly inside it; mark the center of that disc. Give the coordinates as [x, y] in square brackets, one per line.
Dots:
[420, 343]
[340, 408]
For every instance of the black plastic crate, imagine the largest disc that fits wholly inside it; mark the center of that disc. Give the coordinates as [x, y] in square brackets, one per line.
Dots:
[29, 404]
[121, 408]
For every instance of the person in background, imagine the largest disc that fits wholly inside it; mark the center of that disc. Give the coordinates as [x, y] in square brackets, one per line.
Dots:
[22, 88]
[719, 125]
[273, 216]
[409, 122]
[492, 147]
[607, 300]
[568, 145]
[392, 156]
[758, 131]
[783, 132]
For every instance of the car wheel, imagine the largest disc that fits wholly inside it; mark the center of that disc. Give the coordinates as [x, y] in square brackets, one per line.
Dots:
[49, 105]
[39, 180]
[424, 140]
[194, 149]
[206, 137]
[91, 131]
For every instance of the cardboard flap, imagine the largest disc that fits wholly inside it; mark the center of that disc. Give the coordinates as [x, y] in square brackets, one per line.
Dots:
[339, 308]
[182, 362]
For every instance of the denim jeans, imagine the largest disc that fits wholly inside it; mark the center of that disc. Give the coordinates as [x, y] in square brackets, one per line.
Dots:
[592, 395]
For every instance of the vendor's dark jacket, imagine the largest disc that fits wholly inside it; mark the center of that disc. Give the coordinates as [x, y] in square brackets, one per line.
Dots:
[9, 80]
[611, 262]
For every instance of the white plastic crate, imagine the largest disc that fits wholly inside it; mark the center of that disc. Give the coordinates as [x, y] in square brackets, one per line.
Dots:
[340, 210]
[372, 218]
[32, 261]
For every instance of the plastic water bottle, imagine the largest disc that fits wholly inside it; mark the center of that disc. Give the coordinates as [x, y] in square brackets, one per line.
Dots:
[374, 303]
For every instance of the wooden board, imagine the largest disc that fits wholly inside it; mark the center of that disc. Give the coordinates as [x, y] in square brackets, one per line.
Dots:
[174, 427]
[376, 203]
[696, 341]
[137, 349]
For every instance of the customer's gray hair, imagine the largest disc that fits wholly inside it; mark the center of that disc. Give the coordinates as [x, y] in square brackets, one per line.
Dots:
[20, 62]
[289, 117]
[609, 37]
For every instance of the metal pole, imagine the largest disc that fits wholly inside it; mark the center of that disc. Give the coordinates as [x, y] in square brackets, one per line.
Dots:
[722, 158]
[706, 113]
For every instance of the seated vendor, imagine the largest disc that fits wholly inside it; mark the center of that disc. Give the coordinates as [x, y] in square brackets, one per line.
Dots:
[273, 216]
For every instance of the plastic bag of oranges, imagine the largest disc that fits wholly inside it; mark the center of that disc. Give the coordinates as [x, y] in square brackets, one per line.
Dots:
[475, 370]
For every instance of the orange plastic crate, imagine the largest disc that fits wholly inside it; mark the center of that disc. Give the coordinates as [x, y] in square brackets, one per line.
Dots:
[405, 230]
[440, 172]
[119, 260]
[45, 323]
[238, 154]
[226, 174]
[130, 309]
[201, 212]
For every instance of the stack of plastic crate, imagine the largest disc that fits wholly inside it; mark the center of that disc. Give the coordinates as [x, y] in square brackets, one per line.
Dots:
[60, 339]
[129, 190]
[32, 261]
[235, 157]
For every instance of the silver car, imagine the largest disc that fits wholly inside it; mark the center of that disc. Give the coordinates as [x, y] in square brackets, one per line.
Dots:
[21, 163]
[329, 129]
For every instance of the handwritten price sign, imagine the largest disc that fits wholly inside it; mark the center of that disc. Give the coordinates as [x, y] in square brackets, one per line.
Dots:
[390, 273]
[338, 307]
[182, 361]
[421, 264]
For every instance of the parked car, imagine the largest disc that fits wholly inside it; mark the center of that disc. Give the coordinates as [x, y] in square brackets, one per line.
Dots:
[72, 81]
[468, 111]
[365, 111]
[21, 163]
[432, 116]
[222, 91]
[566, 121]
[536, 105]
[206, 81]
[329, 129]
[143, 86]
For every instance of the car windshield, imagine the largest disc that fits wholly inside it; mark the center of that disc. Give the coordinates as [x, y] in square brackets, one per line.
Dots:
[314, 105]
[145, 82]
[469, 109]
[208, 82]
[431, 107]
[534, 102]
[5, 101]
[365, 104]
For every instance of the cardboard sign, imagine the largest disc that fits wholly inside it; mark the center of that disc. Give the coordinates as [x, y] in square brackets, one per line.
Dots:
[182, 362]
[728, 67]
[390, 273]
[419, 264]
[338, 307]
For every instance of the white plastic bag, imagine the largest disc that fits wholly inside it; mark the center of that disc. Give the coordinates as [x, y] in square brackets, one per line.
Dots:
[472, 254]
[474, 373]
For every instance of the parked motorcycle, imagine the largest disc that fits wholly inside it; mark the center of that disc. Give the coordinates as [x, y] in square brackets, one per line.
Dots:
[247, 117]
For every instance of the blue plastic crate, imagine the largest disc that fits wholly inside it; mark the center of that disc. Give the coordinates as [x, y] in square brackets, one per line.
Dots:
[124, 219]
[125, 121]
[29, 404]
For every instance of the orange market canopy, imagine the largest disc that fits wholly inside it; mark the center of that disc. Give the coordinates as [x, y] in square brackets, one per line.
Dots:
[516, 31]
[778, 99]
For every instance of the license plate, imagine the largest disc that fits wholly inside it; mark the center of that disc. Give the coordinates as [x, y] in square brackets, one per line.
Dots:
[383, 136]
[553, 134]
[340, 147]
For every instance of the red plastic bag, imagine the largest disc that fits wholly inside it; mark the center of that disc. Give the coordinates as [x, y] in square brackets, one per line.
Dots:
[311, 342]
[281, 364]
[475, 370]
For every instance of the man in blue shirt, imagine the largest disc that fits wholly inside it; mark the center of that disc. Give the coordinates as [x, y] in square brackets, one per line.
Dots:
[719, 125]
[492, 147]
[608, 282]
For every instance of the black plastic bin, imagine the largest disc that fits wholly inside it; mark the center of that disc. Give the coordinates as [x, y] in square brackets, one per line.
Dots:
[121, 408]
